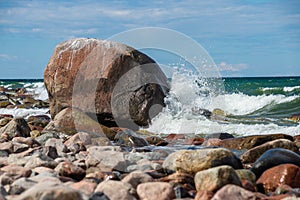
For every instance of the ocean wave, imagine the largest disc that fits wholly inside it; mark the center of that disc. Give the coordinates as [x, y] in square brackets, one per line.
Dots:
[25, 112]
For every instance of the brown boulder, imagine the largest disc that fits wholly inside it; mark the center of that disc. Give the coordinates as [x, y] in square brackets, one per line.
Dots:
[288, 174]
[104, 78]
[17, 127]
[251, 141]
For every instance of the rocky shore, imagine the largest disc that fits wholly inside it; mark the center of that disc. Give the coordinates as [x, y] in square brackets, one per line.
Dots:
[73, 156]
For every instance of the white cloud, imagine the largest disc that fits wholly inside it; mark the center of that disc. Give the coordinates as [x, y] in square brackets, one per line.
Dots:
[6, 57]
[223, 66]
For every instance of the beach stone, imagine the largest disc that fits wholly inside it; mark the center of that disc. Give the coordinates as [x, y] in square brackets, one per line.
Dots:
[20, 185]
[106, 159]
[40, 170]
[230, 192]
[117, 190]
[17, 147]
[16, 171]
[7, 147]
[180, 178]
[204, 195]
[42, 139]
[38, 122]
[45, 192]
[4, 121]
[58, 145]
[98, 196]
[86, 186]
[137, 177]
[68, 169]
[155, 191]
[193, 161]
[81, 137]
[220, 136]
[249, 142]
[246, 174]
[156, 140]
[35, 133]
[4, 104]
[274, 157]
[288, 174]
[193, 141]
[70, 121]
[40, 160]
[253, 154]
[130, 138]
[28, 141]
[214, 178]
[87, 62]
[17, 127]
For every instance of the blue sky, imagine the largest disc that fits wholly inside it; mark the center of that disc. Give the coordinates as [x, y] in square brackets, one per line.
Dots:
[245, 38]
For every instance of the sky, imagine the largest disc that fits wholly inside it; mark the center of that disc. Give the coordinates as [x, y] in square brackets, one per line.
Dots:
[244, 37]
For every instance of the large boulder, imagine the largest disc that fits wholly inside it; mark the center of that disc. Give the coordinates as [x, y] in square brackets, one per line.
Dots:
[111, 81]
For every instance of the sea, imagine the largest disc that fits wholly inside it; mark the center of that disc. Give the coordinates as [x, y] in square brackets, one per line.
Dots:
[240, 105]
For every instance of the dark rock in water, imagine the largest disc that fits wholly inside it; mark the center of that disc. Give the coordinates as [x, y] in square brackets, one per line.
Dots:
[252, 154]
[38, 120]
[201, 111]
[288, 174]
[4, 104]
[249, 142]
[156, 140]
[129, 138]
[120, 77]
[17, 127]
[193, 161]
[274, 157]
[295, 117]
[221, 136]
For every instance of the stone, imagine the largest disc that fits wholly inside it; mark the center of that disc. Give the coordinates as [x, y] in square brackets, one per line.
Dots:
[156, 140]
[234, 192]
[214, 178]
[274, 157]
[70, 121]
[16, 171]
[220, 136]
[130, 138]
[42, 139]
[180, 178]
[253, 154]
[288, 174]
[155, 191]
[28, 141]
[4, 121]
[251, 141]
[68, 169]
[58, 145]
[117, 190]
[7, 147]
[193, 161]
[106, 159]
[17, 127]
[4, 104]
[20, 185]
[98, 196]
[86, 186]
[40, 160]
[246, 174]
[137, 177]
[82, 137]
[193, 141]
[204, 195]
[45, 192]
[87, 68]
[18, 148]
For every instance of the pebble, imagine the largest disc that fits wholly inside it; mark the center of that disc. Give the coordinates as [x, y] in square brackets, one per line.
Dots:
[155, 191]
[117, 190]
